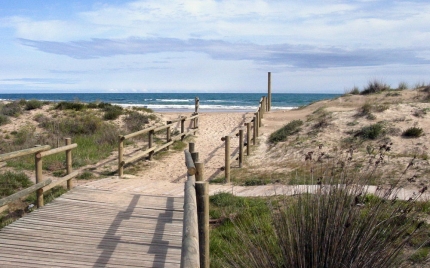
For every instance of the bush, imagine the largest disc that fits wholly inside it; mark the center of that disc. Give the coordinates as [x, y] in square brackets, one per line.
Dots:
[354, 91]
[289, 129]
[341, 226]
[371, 132]
[375, 87]
[11, 109]
[135, 121]
[33, 104]
[64, 105]
[112, 112]
[403, 86]
[11, 182]
[413, 132]
[4, 120]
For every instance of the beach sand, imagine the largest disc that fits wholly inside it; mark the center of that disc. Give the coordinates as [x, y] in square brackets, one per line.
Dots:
[166, 174]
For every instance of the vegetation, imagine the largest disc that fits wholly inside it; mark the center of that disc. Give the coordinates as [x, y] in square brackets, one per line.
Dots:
[375, 86]
[413, 132]
[11, 109]
[371, 132]
[11, 182]
[33, 104]
[135, 121]
[338, 227]
[289, 129]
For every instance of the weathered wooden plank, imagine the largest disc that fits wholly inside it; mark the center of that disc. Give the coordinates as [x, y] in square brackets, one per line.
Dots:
[57, 150]
[61, 180]
[11, 155]
[25, 192]
[108, 230]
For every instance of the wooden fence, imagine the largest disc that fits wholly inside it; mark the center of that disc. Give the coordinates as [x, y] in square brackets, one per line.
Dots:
[151, 147]
[195, 237]
[41, 184]
[252, 133]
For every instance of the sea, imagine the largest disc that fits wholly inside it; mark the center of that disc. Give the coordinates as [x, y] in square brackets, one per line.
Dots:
[181, 102]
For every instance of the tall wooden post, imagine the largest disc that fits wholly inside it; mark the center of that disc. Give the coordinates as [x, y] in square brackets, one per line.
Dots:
[168, 133]
[254, 136]
[248, 138]
[240, 148]
[150, 143]
[182, 128]
[68, 141]
[120, 156]
[269, 91]
[227, 159]
[202, 198]
[39, 178]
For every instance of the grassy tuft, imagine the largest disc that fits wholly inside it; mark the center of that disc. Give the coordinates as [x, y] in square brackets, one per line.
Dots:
[289, 129]
[375, 86]
[413, 132]
[33, 104]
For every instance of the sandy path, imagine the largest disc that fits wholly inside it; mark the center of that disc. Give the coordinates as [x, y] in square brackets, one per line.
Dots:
[166, 176]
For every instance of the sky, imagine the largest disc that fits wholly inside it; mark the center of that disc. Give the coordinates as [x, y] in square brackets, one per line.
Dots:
[211, 45]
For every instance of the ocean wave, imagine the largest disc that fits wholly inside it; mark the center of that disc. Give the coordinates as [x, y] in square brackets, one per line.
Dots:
[175, 100]
[202, 107]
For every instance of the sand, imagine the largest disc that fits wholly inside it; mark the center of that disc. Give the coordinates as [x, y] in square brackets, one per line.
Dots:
[165, 175]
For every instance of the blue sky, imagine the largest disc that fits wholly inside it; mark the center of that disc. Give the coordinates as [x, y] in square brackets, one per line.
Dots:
[211, 46]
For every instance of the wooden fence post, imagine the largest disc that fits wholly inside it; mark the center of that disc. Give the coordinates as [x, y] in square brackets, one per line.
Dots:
[120, 156]
[182, 128]
[248, 138]
[269, 91]
[227, 159]
[39, 178]
[200, 169]
[168, 134]
[68, 141]
[150, 143]
[240, 148]
[191, 147]
[202, 197]
[254, 139]
[263, 106]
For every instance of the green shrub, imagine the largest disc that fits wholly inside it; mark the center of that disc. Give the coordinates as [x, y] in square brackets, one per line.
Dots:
[135, 121]
[112, 112]
[33, 104]
[420, 255]
[375, 87]
[11, 109]
[371, 132]
[289, 129]
[403, 86]
[413, 132]
[64, 105]
[12, 182]
[354, 91]
[339, 227]
[4, 120]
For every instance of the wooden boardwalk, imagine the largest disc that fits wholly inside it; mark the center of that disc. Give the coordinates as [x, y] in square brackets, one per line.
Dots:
[97, 228]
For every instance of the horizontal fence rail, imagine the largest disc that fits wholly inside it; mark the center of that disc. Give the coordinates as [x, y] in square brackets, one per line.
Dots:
[151, 147]
[195, 237]
[42, 185]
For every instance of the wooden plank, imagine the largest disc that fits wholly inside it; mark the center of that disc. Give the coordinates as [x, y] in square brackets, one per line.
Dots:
[97, 228]
[11, 155]
[138, 156]
[25, 192]
[137, 133]
[56, 150]
[61, 180]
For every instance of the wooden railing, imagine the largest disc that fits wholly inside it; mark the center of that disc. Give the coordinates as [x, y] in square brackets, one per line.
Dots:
[152, 148]
[242, 145]
[41, 184]
[195, 237]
